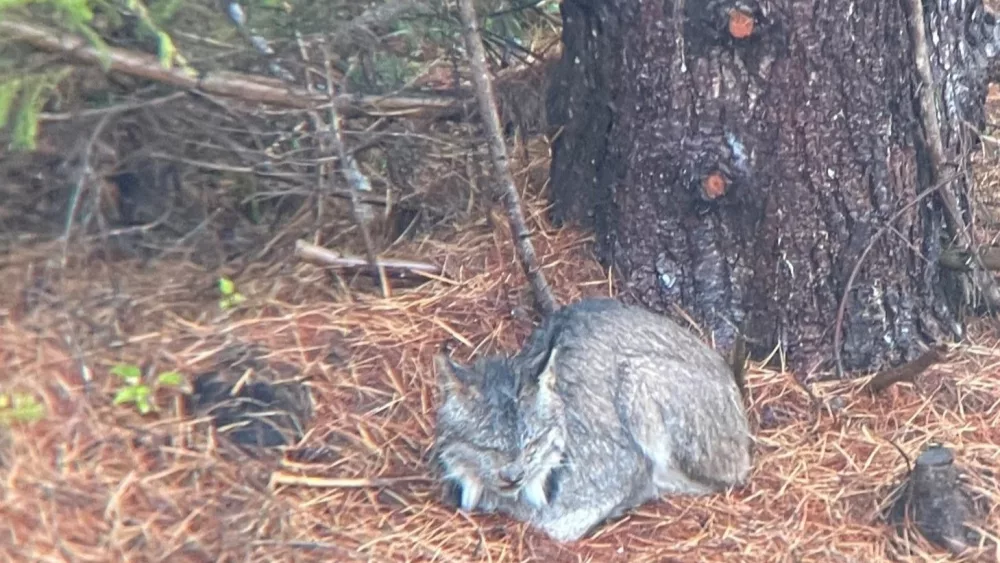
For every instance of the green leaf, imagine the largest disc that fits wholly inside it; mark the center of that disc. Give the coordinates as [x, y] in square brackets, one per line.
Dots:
[162, 11]
[7, 4]
[103, 52]
[226, 286]
[27, 408]
[144, 405]
[26, 118]
[171, 378]
[126, 395]
[231, 301]
[78, 10]
[167, 50]
[129, 372]
[8, 91]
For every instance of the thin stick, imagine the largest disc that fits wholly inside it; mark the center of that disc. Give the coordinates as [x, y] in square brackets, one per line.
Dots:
[120, 108]
[320, 256]
[839, 324]
[906, 372]
[83, 173]
[282, 478]
[545, 302]
[356, 181]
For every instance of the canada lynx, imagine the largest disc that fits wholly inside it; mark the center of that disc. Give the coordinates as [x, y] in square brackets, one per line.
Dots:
[606, 407]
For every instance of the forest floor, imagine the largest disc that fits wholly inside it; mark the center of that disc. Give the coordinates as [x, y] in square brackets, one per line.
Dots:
[91, 480]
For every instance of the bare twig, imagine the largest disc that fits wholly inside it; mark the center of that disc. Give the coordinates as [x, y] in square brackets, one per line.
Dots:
[906, 372]
[545, 302]
[281, 478]
[320, 256]
[356, 181]
[343, 194]
[83, 173]
[245, 87]
[839, 323]
[112, 109]
[738, 357]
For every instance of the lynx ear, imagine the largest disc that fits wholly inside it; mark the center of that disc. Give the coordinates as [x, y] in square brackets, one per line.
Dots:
[547, 377]
[452, 377]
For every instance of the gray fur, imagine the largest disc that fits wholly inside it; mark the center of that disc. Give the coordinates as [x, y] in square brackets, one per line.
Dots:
[605, 408]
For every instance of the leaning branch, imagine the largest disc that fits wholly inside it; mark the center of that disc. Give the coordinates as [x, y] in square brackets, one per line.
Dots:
[355, 179]
[545, 302]
[936, 149]
[245, 87]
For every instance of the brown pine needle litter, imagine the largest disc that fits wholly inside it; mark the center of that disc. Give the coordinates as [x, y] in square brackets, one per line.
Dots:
[96, 482]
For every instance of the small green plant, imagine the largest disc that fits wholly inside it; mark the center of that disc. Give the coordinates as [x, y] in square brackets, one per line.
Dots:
[20, 408]
[135, 391]
[230, 297]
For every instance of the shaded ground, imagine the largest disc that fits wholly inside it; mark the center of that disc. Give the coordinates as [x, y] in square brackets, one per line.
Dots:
[97, 482]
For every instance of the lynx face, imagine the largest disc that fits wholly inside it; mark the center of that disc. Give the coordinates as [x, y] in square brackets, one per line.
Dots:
[476, 431]
[470, 474]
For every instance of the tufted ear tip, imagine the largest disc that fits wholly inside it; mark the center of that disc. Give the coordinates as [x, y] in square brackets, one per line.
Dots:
[452, 376]
[442, 363]
[547, 378]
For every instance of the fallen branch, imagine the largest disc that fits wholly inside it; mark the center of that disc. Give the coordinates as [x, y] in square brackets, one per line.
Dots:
[281, 478]
[908, 371]
[545, 301]
[308, 252]
[245, 87]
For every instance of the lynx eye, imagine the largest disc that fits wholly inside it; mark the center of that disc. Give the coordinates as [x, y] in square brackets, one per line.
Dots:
[532, 446]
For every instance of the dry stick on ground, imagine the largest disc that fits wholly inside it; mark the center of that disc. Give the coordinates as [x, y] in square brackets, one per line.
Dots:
[308, 252]
[908, 371]
[839, 323]
[545, 302]
[282, 478]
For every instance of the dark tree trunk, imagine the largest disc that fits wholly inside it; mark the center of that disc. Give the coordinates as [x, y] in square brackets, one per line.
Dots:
[741, 176]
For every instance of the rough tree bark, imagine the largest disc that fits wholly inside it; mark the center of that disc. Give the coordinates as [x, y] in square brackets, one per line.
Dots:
[738, 163]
